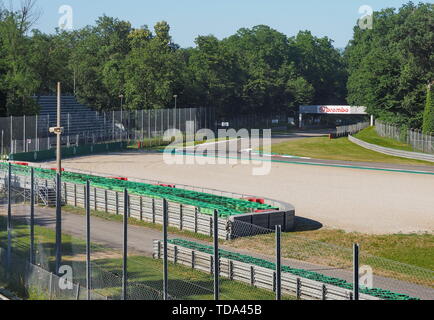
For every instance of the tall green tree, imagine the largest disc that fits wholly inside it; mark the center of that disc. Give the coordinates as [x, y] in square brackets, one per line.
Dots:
[153, 69]
[98, 62]
[215, 75]
[390, 64]
[270, 80]
[17, 83]
[322, 66]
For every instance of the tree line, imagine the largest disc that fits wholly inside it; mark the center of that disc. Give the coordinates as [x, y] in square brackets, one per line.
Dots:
[256, 70]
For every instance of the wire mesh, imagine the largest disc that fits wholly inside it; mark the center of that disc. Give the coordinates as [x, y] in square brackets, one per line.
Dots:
[415, 138]
[84, 126]
[310, 269]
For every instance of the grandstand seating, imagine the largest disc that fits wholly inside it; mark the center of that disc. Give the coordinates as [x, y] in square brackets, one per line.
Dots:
[77, 119]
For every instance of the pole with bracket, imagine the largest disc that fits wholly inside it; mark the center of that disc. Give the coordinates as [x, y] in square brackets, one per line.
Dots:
[58, 131]
[356, 272]
[216, 257]
[125, 248]
[88, 265]
[165, 257]
[32, 216]
[278, 264]
[9, 219]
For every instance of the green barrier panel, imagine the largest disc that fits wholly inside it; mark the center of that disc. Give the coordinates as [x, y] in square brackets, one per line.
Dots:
[206, 203]
[67, 152]
[376, 292]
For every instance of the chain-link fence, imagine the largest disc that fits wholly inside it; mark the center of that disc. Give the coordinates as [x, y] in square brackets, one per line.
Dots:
[30, 133]
[109, 256]
[415, 138]
[277, 122]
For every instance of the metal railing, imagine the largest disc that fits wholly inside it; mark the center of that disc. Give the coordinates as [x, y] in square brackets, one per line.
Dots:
[419, 141]
[30, 133]
[343, 131]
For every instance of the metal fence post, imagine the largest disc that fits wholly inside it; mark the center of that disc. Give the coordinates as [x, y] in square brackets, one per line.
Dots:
[278, 264]
[356, 271]
[58, 223]
[37, 133]
[165, 257]
[9, 219]
[88, 266]
[143, 137]
[24, 134]
[113, 126]
[125, 248]
[216, 257]
[11, 131]
[32, 216]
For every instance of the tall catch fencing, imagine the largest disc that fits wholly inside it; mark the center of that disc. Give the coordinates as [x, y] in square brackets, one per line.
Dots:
[415, 138]
[344, 131]
[31, 133]
[112, 258]
[258, 121]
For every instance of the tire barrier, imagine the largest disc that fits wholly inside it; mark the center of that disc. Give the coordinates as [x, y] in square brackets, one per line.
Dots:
[260, 273]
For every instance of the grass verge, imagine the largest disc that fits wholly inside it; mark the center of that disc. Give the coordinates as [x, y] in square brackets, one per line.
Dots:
[337, 149]
[329, 247]
[136, 222]
[370, 135]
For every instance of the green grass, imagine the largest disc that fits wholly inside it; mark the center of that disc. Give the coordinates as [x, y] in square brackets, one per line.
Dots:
[370, 135]
[332, 248]
[412, 249]
[337, 149]
[184, 283]
[144, 274]
[136, 222]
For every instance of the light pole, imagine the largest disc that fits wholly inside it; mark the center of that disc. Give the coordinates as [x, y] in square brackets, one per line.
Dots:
[58, 130]
[121, 96]
[174, 119]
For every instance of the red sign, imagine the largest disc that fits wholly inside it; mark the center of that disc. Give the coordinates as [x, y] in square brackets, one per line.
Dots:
[328, 109]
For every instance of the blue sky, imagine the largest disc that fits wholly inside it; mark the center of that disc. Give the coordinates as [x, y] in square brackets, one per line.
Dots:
[190, 18]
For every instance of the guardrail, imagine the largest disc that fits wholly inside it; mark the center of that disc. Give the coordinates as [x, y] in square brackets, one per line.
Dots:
[393, 152]
[254, 275]
[343, 131]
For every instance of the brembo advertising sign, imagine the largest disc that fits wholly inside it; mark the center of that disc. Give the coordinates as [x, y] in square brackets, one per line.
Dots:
[333, 109]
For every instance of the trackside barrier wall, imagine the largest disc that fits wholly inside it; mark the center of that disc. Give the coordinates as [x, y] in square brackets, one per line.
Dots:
[393, 152]
[45, 155]
[150, 209]
[181, 216]
[343, 131]
[261, 273]
[255, 275]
